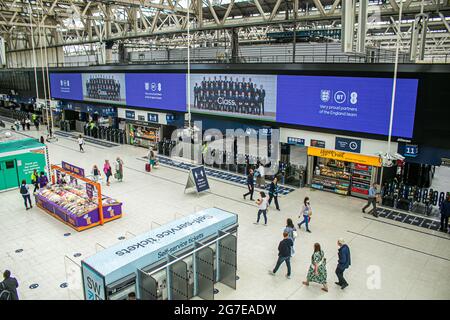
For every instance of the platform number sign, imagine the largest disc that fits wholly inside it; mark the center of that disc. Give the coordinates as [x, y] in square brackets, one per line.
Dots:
[94, 286]
[411, 150]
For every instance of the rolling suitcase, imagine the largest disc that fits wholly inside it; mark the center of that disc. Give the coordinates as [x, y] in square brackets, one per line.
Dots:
[147, 167]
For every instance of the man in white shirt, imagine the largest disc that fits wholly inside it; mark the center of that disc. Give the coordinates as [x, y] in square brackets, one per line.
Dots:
[80, 143]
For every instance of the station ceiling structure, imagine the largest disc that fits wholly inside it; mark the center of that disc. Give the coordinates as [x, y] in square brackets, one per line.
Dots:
[82, 26]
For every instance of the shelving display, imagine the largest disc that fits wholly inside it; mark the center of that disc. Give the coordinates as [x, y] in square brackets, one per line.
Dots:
[332, 175]
[361, 178]
[77, 205]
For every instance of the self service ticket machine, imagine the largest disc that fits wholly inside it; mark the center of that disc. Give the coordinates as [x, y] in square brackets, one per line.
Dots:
[177, 261]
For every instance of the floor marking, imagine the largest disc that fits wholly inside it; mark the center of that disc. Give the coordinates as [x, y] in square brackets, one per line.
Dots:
[398, 245]
[395, 225]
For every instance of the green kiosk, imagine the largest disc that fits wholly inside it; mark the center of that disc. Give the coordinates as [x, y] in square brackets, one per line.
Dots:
[19, 156]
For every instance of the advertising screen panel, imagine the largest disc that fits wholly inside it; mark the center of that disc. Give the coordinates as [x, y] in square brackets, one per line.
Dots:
[104, 87]
[347, 103]
[66, 86]
[165, 91]
[235, 95]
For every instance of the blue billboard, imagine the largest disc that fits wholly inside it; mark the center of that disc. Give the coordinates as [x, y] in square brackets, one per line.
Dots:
[347, 103]
[66, 86]
[165, 91]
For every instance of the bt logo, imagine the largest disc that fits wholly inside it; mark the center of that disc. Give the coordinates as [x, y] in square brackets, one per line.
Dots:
[340, 97]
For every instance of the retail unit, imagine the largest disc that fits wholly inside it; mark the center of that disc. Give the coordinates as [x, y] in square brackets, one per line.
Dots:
[79, 203]
[19, 157]
[178, 261]
[341, 172]
[143, 134]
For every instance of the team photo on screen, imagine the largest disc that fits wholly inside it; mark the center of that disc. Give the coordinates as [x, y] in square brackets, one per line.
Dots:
[251, 96]
[104, 87]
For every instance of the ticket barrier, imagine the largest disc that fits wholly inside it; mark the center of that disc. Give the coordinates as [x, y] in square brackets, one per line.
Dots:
[178, 275]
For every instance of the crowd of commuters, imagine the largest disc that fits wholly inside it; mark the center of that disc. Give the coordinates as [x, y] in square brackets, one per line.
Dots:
[103, 88]
[228, 95]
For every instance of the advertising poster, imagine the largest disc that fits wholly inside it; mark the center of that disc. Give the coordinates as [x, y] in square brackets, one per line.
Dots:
[166, 91]
[104, 87]
[235, 95]
[66, 86]
[347, 103]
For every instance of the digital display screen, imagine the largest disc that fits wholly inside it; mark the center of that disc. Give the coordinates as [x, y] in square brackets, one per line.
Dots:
[66, 86]
[231, 95]
[104, 87]
[165, 91]
[347, 103]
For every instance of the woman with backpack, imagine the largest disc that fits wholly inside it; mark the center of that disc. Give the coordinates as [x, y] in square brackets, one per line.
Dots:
[107, 170]
[318, 269]
[292, 232]
[25, 192]
[306, 213]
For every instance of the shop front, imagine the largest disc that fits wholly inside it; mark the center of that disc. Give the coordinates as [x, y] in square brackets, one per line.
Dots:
[146, 128]
[342, 172]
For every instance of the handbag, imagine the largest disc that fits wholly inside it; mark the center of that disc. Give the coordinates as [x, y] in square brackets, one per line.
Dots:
[294, 234]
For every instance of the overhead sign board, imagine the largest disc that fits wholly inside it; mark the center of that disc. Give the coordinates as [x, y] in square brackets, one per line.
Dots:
[345, 156]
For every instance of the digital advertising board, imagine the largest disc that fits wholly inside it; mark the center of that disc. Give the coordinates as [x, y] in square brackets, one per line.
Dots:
[235, 95]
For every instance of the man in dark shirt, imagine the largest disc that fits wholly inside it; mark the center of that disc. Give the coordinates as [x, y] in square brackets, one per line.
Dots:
[10, 284]
[344, 262]
[262, 95]
[284, 255]
[250, 184]
[445, 214]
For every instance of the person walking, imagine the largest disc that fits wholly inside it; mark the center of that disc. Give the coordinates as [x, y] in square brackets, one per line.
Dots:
[372, 200]
[445, 213]
[107, 170]
[28, 123]
[23, 123]
[306, 214]
[36, 124]
[43, 180]
[273, 192]
[25, 192]
[95, 173]
[260, 180]
[81, 143]
[8, 287]
[152, 158]
[35, 180]
[119, 169]
[17, 124]
[284, 255]
[250, 184]
[262, 207]
[318, 269]
[343, 263]
[292, 232]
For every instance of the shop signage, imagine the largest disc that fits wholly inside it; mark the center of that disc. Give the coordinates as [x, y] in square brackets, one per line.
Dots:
[345, 156]
[296, 141]
[130, 114]
[317, 143]
[170, 117]
[152, 117]
[71, 168]
[346, 144]
[94, 286]
[411, 150]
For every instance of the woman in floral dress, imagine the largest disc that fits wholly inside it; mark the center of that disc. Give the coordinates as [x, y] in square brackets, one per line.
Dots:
[318, 268]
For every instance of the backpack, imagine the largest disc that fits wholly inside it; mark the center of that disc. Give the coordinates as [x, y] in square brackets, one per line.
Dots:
[5, 294]
[23, 189]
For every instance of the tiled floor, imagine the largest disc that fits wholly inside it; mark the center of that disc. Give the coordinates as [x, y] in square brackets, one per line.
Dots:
[389, 261]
